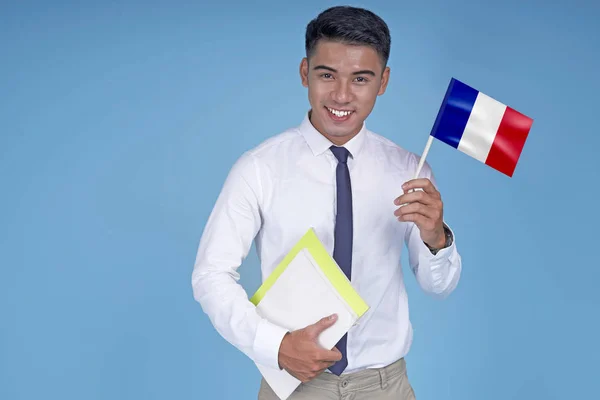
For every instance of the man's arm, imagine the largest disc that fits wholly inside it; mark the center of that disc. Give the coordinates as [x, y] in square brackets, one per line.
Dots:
[227, 238]
[432, 251]
[439, 273]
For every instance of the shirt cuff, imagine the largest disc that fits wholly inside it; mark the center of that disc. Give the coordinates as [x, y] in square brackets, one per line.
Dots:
[267, 342]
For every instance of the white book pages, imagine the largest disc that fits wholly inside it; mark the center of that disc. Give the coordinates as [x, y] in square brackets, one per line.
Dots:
[301, 296]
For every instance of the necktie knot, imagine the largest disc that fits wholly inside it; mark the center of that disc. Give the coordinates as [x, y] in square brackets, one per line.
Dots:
[341, 153]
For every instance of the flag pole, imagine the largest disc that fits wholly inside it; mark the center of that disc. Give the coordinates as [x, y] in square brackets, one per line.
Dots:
[422, 160]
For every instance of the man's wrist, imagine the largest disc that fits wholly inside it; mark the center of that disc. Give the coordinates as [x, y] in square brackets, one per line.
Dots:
[440, 243]
[445, 241]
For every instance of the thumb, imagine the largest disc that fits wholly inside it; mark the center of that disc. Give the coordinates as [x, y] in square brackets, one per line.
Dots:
[323, 324]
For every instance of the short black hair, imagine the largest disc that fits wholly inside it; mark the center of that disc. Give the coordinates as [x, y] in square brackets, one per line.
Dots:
[349, 25]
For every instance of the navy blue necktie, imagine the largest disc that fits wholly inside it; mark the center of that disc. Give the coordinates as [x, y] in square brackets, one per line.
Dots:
[342, 250]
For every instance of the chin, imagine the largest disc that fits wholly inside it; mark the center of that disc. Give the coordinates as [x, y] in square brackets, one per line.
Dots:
[343, 129]
[337, 132]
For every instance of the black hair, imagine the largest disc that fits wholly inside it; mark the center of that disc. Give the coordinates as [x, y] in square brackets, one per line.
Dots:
[349, 25]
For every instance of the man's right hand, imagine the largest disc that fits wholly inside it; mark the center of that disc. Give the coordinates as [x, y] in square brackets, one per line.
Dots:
[301, 355]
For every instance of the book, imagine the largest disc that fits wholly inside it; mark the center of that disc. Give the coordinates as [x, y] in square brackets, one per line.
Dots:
[306, 285]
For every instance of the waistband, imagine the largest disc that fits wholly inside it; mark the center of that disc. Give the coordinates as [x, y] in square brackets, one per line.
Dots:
[359, 380]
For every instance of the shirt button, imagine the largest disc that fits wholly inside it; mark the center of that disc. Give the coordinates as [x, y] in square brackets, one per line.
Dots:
[344, 383]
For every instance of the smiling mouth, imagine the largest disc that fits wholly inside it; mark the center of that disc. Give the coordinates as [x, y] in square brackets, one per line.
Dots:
[339, 113]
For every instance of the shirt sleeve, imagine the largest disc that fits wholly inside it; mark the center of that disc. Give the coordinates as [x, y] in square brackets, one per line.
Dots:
[227, 238]
[436, 274]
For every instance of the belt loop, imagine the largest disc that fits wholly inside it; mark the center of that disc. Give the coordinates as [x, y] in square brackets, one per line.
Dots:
[383, 378]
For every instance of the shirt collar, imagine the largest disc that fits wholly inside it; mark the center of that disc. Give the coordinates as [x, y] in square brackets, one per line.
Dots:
[320, 144]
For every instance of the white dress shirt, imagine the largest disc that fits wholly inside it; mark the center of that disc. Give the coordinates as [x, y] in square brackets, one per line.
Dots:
[285, 185]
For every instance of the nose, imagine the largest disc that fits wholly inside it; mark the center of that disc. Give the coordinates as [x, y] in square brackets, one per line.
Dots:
[342, 92]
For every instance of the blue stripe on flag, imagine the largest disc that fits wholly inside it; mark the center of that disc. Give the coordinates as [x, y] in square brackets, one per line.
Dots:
[454, 113]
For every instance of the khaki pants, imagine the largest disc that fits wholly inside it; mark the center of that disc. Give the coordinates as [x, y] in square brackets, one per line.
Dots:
[390, 382]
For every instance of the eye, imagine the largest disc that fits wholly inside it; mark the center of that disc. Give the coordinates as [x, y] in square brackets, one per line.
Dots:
[361, 79]
[326, 75]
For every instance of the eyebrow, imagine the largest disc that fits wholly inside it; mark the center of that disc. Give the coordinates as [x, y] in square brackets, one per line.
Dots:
[361, 72]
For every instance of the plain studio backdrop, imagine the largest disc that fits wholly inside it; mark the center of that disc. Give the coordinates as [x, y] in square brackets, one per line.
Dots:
[119, 122]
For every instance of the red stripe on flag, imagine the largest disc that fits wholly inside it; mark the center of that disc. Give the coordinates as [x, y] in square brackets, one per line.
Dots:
[509, 141]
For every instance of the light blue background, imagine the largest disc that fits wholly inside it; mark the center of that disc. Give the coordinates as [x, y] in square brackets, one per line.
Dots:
[119, 123]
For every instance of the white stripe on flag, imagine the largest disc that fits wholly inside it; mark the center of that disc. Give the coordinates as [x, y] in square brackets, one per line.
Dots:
[481, 128]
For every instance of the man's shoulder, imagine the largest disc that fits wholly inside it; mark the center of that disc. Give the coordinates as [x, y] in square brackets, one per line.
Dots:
[260, 159]
[272, 145]
[269, 153]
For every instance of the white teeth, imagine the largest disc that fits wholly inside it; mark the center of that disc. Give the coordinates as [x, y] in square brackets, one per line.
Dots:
[339, 113]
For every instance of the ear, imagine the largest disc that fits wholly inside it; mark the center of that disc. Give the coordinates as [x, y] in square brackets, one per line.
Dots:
[304, 72]
[385, 77]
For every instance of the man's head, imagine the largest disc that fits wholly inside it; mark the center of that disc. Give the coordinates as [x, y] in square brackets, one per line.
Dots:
[345, 69]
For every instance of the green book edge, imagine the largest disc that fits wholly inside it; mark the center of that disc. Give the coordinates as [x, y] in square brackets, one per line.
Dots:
[311, 242]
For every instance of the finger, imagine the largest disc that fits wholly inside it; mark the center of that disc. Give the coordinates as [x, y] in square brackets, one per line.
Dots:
[326, 364]
[422, 183]
[418, 208]
[424, 223]
[322, 324]
[337, 352]
[316, 373]
[419, 196]
[336, 355]
[329, 356]
[323, 370]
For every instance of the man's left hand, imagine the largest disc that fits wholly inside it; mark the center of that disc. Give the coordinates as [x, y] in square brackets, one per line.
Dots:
[425, 208]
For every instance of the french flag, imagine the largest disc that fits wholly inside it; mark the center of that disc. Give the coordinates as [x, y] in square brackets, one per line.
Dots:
[481, 127]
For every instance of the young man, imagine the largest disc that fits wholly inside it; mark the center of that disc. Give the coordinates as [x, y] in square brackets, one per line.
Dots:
[333, 174]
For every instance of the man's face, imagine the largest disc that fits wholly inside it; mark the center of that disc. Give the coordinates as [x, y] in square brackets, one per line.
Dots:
[343, 83]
